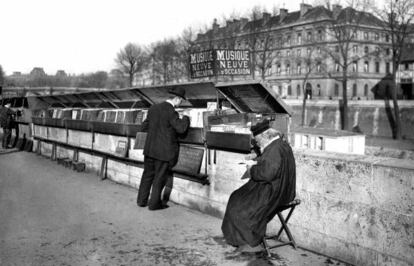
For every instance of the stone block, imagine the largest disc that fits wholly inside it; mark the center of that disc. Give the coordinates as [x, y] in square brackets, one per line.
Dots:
[57, 134]
[80, 138]
[108, 143]
[393, 185]
[335, 177]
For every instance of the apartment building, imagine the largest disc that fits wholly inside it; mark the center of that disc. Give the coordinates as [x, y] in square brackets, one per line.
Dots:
[301, 52]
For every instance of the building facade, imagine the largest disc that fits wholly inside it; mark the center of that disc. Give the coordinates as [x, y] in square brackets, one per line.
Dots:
[300, 52]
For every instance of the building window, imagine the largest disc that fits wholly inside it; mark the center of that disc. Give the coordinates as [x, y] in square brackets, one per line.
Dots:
[337, 67]
[354, 90]
[365, 35]
[376, 36]
[289, 90]
[299, 38]
[320, 35]
[366, 66]
[288, 40]
[377, 50]
[288, 68]
[318, 87]
[288, 53]
[336, 91]
[308, 51]
[308, 68]
[366, 90]
[355, 66]
[280, 90]
[299, 69]
[298, 52]
[337, 48]
[388, 51]
[387, 37]
[309, 36]
[355, 49]
[278, 69]
[318, 67]
[387, 68]
[366, 50]
[298, 90]
[319, 50]
[377, 67]
[278, 54]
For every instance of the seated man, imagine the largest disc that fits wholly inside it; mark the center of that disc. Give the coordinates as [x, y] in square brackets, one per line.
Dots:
[271, 184]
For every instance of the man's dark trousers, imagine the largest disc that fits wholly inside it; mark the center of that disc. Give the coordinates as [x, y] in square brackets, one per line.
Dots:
[6, 136]
[156, 173]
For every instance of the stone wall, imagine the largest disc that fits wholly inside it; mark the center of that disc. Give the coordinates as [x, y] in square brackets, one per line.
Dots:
[354, 207]
[372, 117]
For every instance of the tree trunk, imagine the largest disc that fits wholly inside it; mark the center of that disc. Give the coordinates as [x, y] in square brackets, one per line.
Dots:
[397, 130]
[303, 108]
[131, 79]
[345, 123]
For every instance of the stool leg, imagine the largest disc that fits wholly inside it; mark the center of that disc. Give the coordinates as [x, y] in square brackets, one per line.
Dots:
[266, 246]
[286, 228]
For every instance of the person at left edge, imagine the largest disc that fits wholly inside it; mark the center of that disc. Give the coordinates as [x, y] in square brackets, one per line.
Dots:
[7, 123]
[161, 148]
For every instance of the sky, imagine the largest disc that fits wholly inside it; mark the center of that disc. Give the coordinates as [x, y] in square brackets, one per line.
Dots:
[84, 36]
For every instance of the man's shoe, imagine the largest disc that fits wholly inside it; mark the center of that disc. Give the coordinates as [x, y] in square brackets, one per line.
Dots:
[249, 249]
[162, 207]
[141, 205]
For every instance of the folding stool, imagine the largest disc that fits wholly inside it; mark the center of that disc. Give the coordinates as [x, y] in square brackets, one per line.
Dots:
[291, 207]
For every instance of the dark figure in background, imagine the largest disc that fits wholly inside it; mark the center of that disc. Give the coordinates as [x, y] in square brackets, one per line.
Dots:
[7, 123]
[272, 183]
[161, 148]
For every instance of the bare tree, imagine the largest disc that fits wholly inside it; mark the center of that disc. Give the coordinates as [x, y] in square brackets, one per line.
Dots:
[343, 30]
[2, 76]
[184, 43]
[314, 60]
[397, 16]
[131, 60]
[165, 57]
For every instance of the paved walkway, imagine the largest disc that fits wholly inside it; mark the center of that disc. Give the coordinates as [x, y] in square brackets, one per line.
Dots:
[51, 215]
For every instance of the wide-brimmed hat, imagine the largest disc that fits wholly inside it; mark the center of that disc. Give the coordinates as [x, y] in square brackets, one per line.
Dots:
[178, 91]
[260, 127]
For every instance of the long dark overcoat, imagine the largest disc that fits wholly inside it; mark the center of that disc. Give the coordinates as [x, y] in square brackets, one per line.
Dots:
[163, 125]
[272, 184]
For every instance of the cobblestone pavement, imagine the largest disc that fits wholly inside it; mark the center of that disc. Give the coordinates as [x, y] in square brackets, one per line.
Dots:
[51, 215]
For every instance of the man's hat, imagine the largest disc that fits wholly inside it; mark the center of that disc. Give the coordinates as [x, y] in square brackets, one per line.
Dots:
[260, 127]
[178, 91]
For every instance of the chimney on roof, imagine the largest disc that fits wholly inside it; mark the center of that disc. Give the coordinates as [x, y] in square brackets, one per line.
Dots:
[336, 9]
[304, 8]
[215, 25]
[266, 17]
[243, 21]
[282, 13]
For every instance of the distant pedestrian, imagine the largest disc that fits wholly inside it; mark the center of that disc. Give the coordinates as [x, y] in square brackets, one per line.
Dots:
[161, 148]
[7, 123]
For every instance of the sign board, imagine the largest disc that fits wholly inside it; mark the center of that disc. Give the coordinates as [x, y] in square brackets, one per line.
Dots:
[202, 64]
[223, 62]
[189, 160]
[232, 62]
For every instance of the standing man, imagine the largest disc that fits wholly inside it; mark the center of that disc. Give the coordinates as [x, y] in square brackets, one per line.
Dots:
[161, 148]
[272, 183]
[7, 123]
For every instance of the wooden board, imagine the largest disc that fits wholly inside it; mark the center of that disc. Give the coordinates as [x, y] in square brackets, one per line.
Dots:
[189, 160]
[140, 140]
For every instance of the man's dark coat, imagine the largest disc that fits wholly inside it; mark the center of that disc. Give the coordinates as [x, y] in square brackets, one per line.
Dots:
[252, 206]
[163, 126]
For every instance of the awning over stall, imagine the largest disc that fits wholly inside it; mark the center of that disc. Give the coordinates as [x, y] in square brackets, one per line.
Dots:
[253, 97]
[197, 95]
[245, 96]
